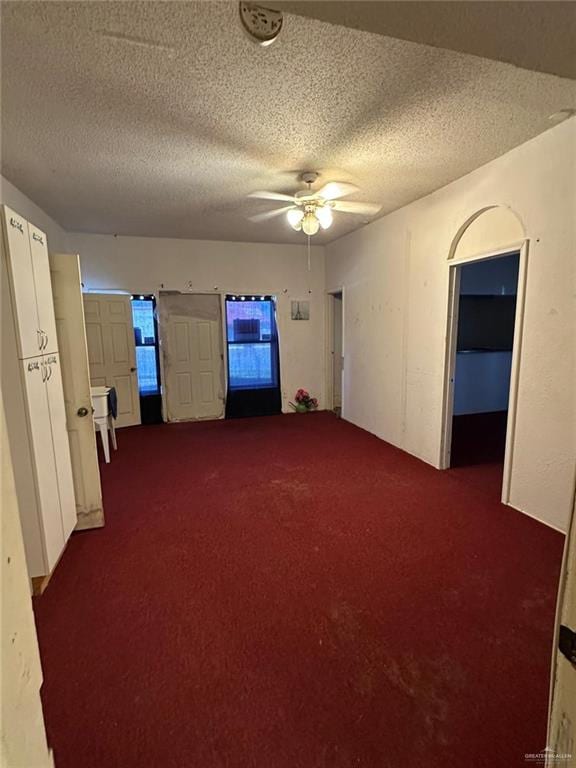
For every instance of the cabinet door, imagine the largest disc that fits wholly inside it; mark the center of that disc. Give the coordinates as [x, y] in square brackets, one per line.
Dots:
[60, 443]
[19, 262]
[43, 285]
[34, 373]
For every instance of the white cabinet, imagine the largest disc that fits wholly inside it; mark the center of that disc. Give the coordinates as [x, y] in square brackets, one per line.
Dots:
[43, 286]
[22, 285]
[31, 287]
[33, 396]
[40, 435]
[60, 442]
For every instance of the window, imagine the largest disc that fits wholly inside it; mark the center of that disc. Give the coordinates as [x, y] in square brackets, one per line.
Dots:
[145, 338]
[252, 342]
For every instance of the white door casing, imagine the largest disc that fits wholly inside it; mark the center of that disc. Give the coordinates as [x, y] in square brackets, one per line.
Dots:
[337, 347]
[70, 327]
[334, 338]
[450, 356]
[193, 367]
[53, 381]
[112, 351]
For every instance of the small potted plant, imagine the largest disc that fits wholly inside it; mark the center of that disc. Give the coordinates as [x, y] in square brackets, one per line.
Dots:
[304, 402]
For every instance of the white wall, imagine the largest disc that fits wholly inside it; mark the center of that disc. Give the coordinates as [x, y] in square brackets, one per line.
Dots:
[395, 274]
[12, 197]
[22, 734]
[142, 264]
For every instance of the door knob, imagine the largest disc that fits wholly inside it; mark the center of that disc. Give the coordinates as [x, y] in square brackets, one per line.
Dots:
[82, 411]
[132, 370]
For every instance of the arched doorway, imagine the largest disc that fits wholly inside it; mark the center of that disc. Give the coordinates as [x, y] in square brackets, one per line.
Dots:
[487, 265]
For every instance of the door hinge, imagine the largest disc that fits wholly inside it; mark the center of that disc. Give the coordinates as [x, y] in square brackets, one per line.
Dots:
[567, 643]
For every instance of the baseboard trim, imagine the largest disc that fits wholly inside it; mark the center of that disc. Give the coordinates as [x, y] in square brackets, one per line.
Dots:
[535, 517]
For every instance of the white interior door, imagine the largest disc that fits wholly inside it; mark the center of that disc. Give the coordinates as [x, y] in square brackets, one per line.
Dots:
[60, 443]
[70, 327]
[193, 367]
[19, 263]
[43, 286]
[112, 351]
[34, 375]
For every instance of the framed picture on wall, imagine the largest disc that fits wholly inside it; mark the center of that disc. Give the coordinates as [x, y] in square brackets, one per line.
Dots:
[300, 310]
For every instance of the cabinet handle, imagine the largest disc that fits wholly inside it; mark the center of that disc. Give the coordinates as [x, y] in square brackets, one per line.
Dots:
[45, 339]
[49, 372]
[39, 339]
[43, 369]
[17, 224]
[37, 238]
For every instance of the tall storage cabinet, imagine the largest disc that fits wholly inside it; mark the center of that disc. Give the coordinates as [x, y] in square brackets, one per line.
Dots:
[32, 387]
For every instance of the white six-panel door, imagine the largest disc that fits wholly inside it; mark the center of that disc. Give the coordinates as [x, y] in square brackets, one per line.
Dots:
[40, 433]
[112, 351]
[193, 368]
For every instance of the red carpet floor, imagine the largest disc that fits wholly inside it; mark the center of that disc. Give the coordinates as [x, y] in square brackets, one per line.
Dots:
[291, 592]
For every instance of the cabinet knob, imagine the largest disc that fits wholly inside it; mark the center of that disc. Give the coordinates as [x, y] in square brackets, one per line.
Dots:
[82, 411]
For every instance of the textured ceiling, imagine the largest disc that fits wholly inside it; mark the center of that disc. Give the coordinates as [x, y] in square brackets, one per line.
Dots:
[536, 35]
[120, 137]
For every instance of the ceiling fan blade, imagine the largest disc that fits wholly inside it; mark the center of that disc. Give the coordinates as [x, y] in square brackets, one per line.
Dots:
[270, 214]
[335, 189]
[264, 195]
[362, 209]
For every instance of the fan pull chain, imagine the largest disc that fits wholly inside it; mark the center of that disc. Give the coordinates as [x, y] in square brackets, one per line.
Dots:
[308, 253]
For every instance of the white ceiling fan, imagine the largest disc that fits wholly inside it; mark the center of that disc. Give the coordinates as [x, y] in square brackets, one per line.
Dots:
[309, 210]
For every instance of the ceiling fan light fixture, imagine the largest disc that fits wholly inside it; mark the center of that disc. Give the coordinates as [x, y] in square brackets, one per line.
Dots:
[295, 216]
[309, 211]
[310, 224]
[324, 216]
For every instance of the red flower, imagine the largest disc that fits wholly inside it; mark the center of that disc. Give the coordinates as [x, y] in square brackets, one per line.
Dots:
[303, 398]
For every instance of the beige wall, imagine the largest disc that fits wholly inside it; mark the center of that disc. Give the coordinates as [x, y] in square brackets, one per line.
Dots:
[144, 264]
[395, 274]
[22, 736]
[11, 196]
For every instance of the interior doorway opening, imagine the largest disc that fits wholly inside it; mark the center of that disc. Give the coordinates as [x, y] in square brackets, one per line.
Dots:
[484, 344]
[253, 357]
[335, 361]
[485, 323]
[147, 358]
